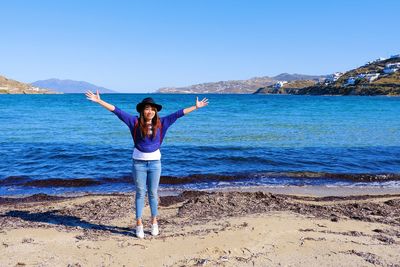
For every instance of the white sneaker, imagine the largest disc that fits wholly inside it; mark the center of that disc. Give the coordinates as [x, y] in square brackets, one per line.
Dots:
[139, 231]
[154, 229]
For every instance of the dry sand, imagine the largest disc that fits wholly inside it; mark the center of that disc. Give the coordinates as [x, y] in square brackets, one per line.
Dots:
[203, 229]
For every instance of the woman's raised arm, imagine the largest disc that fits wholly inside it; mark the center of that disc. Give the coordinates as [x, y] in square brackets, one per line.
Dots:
[96, 98]
[199, 104]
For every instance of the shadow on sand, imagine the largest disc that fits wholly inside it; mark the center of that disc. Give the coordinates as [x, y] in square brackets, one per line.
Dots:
[51, 217]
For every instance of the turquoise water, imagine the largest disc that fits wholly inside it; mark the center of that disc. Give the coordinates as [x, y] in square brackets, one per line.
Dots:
[237, 140]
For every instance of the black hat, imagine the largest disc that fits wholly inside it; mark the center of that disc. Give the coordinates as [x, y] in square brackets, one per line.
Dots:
[147, 101]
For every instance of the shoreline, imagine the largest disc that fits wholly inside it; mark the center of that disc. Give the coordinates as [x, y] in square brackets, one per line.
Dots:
[314, 191]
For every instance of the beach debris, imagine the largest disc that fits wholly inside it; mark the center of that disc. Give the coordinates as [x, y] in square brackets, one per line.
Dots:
[216, 205]
[388, 231]
[224, 258]
[244, 224]
[385, 239]
[139, 245]
[80, 237]
[313, 239]
[392, 202]
[368, 257]
[27, 240]
[202, 262]
[355, 233]
[334, 219]
[196, 262]
[307, 230]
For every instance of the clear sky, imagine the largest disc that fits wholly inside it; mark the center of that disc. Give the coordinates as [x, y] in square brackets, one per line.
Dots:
[140, 46]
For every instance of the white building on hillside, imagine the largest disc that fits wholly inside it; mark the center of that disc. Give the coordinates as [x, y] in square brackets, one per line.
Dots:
[376, 60]
[371, 76]
[392, 65]
[391, 68]
[333, 77]
[350, 81]
[279, 84]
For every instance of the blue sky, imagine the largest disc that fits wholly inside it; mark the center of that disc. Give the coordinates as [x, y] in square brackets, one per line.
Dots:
[140, 46]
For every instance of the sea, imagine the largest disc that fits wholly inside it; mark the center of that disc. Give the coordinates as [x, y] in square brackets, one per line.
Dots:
[66, 144]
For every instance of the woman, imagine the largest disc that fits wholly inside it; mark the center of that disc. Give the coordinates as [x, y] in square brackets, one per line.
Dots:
[148, 131]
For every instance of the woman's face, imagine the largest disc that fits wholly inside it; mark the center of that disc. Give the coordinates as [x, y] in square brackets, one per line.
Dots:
[149, 112]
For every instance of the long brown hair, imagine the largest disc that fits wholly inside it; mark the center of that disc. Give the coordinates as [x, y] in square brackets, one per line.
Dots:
[155, 122]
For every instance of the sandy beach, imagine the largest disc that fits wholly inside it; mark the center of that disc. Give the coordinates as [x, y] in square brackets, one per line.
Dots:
[203, 229]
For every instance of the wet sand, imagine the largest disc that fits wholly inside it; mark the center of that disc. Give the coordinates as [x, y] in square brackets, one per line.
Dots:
[199, 228]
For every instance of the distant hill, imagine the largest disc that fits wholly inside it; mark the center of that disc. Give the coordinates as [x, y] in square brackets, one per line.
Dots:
[236, 86]
[9, 86]
[297, 77]
[70, 86]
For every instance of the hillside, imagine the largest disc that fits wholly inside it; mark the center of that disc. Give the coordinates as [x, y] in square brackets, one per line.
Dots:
[379, 77]
[287, 88]
[70, 86]
[384, 84]
[235, 86]
[9, 86]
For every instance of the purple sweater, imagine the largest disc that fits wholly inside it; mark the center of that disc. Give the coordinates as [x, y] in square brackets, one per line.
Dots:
[147, 144]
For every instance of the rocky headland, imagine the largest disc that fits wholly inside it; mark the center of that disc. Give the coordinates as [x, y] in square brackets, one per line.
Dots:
[9, 86]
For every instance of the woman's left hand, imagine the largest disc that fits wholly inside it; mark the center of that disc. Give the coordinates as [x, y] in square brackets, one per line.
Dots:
[202, 103]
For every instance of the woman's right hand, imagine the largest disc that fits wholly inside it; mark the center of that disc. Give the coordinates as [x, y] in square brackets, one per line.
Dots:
[93, 97]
